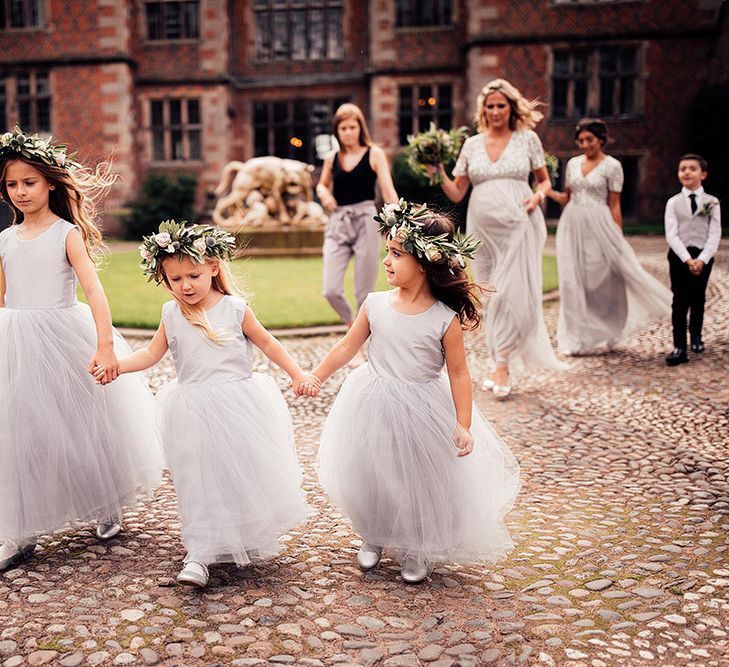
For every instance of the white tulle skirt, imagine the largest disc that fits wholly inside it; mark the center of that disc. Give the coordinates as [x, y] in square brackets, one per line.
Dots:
[388, 460]
[605, 294]
[69, 449]
[230, 448]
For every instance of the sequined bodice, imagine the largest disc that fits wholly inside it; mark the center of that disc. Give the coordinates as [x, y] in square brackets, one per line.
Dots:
[593, 189]
[522, 154]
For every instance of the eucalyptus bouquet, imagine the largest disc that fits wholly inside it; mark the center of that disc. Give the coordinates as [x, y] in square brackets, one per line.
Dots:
[552, 166]
[435, 146]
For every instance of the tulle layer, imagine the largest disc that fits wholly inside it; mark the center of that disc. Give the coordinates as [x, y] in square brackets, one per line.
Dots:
[388, 459]
[510, 259]
[605, 294]
[70, 449]
[230, 447]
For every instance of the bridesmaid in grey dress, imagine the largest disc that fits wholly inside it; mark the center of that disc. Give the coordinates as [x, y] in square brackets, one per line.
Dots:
[605, 293]
[504, 213]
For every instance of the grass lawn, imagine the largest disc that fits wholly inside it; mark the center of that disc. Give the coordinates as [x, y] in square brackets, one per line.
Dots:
[284, 292]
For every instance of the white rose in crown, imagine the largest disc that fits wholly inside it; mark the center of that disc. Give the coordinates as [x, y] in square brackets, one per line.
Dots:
[200, 245]
[146, 255]
[401, 235]
[162, 239]
[390, 211]
[432, 254]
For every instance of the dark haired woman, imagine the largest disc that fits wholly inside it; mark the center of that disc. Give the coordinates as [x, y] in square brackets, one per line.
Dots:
[605, 293]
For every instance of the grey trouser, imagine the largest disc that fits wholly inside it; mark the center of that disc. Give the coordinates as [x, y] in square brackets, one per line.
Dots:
[351, 231]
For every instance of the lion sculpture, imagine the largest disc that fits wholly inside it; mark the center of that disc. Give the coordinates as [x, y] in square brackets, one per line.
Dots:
[267, 192]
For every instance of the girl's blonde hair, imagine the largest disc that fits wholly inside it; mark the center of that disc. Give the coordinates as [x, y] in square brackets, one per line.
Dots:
[524, 114]
[75, 197]
[223, 282]
[349, 110]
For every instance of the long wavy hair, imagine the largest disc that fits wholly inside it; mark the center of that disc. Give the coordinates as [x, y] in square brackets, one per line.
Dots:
[223, 282]
[452, 286]
[347, 111]
[75, 197]
[524, 114]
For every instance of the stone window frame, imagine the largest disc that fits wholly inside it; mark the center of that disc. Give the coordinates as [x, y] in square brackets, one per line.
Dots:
[287, 114]
[415, 114]
[589, 82]
[175, 137]
[295, 18]
[407, 13]
[36, 9]
[27, 100]
[196, 34]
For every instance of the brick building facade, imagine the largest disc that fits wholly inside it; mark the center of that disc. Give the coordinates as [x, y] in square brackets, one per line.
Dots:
[186, 85]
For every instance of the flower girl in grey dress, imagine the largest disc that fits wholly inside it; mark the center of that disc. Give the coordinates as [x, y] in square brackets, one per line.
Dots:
[226, 430]
[605, 294]
[404, 452]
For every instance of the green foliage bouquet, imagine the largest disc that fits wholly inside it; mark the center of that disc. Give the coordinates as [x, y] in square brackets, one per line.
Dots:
[435, 146]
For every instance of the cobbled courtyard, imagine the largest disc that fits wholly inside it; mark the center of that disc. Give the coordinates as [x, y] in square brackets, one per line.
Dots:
[621, 531]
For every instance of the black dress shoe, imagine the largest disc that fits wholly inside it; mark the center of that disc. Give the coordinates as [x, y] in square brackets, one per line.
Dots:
[697, 345]
[678, 356]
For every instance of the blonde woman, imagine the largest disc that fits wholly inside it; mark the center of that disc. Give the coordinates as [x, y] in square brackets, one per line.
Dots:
[346, 189]
[504, 213]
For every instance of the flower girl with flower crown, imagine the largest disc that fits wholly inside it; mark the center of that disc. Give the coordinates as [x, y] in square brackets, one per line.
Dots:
[226, 430]
[70, 450]
[404, 452]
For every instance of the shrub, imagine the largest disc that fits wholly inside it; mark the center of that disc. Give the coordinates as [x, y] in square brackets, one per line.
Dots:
[161, 198]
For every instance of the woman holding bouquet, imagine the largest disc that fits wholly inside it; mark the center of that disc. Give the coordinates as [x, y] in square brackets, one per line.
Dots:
[346, 189]
[504, 213]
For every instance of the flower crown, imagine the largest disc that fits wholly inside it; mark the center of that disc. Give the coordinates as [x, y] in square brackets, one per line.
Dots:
[403, 222]
[198, 242]
[17, 144]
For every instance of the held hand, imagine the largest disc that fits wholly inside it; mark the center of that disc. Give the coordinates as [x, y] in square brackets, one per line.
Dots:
[696, 266]
[307, 385]
[100, 375]
[106, 360]
[464, 441]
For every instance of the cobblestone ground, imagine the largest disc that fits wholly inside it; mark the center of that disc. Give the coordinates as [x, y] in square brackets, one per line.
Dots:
[621, 534]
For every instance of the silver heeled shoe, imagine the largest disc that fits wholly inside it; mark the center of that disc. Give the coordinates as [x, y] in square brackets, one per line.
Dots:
[368, 556]
[108, 529]
[11, 554]
[501, 391]
[413, 570]
[194, 573]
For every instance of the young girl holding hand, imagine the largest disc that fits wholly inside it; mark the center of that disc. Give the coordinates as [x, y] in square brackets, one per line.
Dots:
[226, 430]
[404, 452]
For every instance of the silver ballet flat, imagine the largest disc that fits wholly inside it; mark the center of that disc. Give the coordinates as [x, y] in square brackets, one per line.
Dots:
[488, 385]
[108, 529]
[194, 574]
[18, 555]
[413, 570]
[368, 556]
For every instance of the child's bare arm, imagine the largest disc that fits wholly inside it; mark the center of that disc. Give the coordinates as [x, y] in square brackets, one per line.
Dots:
[461, 389]
[345, 349]
[142, 359]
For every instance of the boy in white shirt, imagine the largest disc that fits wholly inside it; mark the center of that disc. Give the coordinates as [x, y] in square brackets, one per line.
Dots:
[693, 232]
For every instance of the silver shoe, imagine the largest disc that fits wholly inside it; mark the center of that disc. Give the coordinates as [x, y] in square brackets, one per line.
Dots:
[413, 570]
[108, 529]
[501, 391]
[368, 556]
[488, 385]
[194, 573]
[19, 555]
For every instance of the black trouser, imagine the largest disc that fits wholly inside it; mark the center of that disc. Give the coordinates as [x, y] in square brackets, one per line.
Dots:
[689, 293]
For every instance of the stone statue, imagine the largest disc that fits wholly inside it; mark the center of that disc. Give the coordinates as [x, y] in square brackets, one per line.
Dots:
[267, 192]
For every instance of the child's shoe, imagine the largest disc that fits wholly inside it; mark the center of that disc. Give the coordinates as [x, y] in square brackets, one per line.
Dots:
[194, 574]
[108, 529]
[11, 554]
[368, 556]
[678, 356]
[697, 345]
[413, 570]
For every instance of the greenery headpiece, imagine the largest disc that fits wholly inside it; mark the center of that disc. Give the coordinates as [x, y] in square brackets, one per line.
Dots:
[403, 222]
[17, 144]
[198, 242]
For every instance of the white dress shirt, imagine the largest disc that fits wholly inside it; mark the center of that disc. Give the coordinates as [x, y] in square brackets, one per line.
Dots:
[684, 229]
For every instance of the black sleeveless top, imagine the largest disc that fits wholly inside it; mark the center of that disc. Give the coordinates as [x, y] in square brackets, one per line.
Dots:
[351, 187]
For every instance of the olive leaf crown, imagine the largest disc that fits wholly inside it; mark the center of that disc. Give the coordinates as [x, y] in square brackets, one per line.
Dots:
[404, 222]
[18, 144]
[198, 242]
